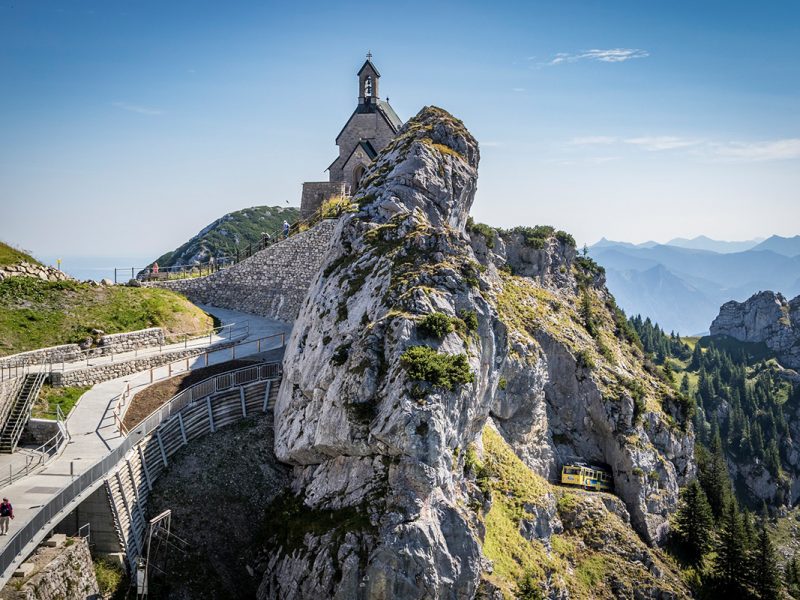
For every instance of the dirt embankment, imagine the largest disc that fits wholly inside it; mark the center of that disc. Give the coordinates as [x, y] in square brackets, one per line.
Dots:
[150, 398]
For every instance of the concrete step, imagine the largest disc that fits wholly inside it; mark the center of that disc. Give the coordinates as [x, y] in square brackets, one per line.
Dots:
[24, 570]
[57, 540]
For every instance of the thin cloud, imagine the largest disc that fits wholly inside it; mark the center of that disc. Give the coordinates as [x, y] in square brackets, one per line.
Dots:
[611, 55]
[135, 108]
[783, 149]
[662, 142]
[730, 151]
[593, 140]
[517, 89]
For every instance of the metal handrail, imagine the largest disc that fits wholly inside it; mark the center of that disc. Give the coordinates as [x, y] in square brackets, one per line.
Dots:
[42, 519]
[120, 402]
[87, 355]
[43, 453]
[26, 408]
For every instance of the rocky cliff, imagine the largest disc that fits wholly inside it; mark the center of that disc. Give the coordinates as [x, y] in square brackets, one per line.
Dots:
[435, 381]
[764, 317]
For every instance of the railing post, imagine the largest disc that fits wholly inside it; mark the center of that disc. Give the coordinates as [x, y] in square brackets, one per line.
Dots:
[210, 414]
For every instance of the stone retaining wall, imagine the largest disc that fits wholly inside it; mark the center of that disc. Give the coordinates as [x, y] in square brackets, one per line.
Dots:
[65, 573]
[38, 431]
[99, 373]
[26, 269]
[133, 340]
[271, 283]
[64, 352]
[106, 344]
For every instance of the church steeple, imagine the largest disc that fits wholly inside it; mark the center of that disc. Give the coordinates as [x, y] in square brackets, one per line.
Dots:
[368, 77]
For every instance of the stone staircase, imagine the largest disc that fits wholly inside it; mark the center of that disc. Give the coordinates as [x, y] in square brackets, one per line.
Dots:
[130, 484]
[20, 411]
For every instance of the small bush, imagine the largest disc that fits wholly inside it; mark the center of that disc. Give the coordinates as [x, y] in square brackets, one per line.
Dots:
[436, 325]
[584, 360]
[340, 355]
[482, 229]
[502, 383]
[110, 578]
[336, 207]
[534, 237]
[605, 351]
[470, 318]
[565, 238]
[586, 270]
[445, 371]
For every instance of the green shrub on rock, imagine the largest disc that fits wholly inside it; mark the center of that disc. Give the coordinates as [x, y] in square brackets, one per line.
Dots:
[445, 371]
[436, 325]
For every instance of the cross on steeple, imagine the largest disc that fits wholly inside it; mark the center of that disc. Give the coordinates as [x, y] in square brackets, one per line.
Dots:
[369, 55]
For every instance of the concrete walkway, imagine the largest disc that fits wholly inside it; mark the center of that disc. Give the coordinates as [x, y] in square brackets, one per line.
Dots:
[92, 431]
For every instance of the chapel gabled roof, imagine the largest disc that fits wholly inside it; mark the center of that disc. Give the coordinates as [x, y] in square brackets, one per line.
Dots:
[365, 145]
[381, 107]
[368, 63]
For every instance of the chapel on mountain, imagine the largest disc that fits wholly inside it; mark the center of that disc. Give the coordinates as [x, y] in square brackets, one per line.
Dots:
[369, 129]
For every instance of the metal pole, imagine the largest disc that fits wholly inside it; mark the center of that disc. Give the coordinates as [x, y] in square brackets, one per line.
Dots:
[72, 469]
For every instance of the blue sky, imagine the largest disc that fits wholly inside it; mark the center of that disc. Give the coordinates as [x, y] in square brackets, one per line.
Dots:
[125, 127]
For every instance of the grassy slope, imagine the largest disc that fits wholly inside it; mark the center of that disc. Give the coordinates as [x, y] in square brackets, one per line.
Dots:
[238, 228]
[35, 313]
[12, 256]
[50, 397]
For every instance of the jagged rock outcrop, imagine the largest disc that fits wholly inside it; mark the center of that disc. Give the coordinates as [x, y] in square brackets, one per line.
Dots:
[764, 317]
[411, 338]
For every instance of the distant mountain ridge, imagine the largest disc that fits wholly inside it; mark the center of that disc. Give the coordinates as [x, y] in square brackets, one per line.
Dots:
[702, 242]
[682, 288]
[781, 245]
[234, 230]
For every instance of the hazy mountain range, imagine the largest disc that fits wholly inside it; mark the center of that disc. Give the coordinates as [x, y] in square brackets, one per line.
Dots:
[682, 284]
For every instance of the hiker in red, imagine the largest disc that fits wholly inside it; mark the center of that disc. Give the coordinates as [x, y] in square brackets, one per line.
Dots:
[6, 514]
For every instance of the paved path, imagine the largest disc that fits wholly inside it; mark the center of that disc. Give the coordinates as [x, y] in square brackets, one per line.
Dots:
[92, 432]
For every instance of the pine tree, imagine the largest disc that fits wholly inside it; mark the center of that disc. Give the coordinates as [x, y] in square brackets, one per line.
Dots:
[697, 358]
[730, 566]
[685, 384]
[694, 521]
[714, 478]
[766, 573]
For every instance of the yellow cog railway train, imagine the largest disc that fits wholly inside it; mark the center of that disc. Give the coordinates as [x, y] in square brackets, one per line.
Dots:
[589, 477]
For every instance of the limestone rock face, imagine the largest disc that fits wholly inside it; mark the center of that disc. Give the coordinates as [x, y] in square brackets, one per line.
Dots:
[377, 406]
[362, 433]
[764, 317]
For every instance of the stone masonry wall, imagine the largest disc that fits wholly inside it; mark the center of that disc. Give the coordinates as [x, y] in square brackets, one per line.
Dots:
[34, 357]
[100, 373]
[26, 269]
[65, 573]
[317, 192]
[112, 342]
[271, 283]
[122, 342]
[38, 431]
[363, 126]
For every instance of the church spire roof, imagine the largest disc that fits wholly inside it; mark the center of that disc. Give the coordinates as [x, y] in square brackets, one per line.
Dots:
[368, 64]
